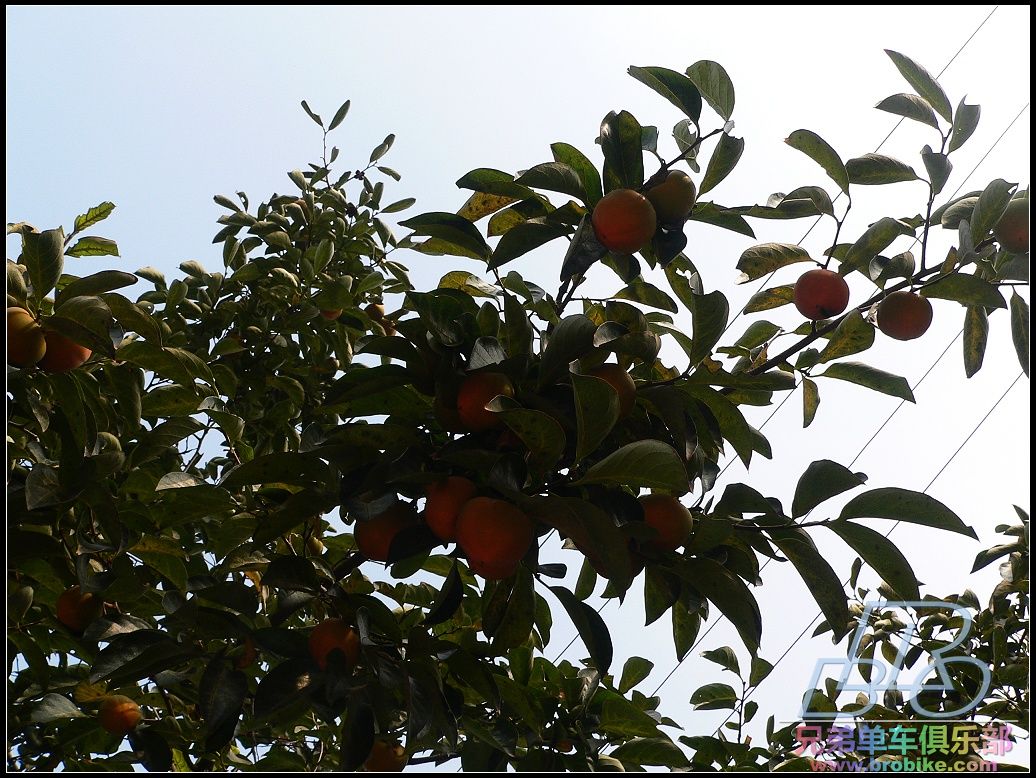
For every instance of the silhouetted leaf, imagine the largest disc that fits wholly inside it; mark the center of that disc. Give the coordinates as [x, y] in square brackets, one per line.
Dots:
[674, 87]
[905, 505]
[882, 555]
[821, 481]
[1020, 330]
[646, 463]
[818, 149]
[821, 580]
[912, 107]
[590, 626]
[870, 377]
[634, 671]
[923, 82]
[976, 331]
[873, 169]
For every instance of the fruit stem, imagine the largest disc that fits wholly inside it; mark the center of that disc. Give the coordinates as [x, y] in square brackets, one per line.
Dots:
[928, 215]
[838, 230]
[690, 149]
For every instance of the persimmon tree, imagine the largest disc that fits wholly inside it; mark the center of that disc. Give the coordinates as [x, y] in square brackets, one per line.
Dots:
[238, 470]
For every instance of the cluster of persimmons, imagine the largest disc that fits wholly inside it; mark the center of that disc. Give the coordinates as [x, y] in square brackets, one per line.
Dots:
[30, 345]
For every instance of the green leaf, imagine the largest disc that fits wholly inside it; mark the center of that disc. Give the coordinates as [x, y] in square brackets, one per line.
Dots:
[93, 246]
[732, 423]
[714, 696]
[597, 410]
[96, 214]
[634, 671]
[650, 464]
[905, 505]
[506, 219]
[170, 400]
[519, 615]
[954, 212]
[640, 291]
[686, 617]
[912, 107]
[938, 167]
[875, 169]
[882, 268]
[715, 86]
[517, 332]
[874, 240]
[104, 281]
[723, 160]
[852, 335]
[965, 122]
[923, 83]
[623, 157]
[399, 205]
[481, 204]
[555, 177]
[593, 532]
[760, 670]
[976, 332]
[132, 318]
[674, 87]
[1020, 330]
[881, 554]
[990, 207]
[821, 481]
[622, 717]
[570, 340]
[583, 251]
[764, 259]
[729, 593]
[42, 255]
[298, 469]
[818, 149]
[54, 707]
[469, 283]
[523, 238]
[989, 555]
[86, 320]
[589, 178]
[651, 751]
[313, 116]
[810, 401]
[819, 197]
[872, 378]
[718, 216]
[590, 626]
[221, 698]
[450, 228]
[709, 314]
[724, 657]
[757, 333]
[540, 433]
[774, 297]
[820, 578]
[382, 148]
[339, 116]
[965, 289]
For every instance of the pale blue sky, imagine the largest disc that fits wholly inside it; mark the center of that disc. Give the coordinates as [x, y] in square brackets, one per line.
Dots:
[157, 109]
